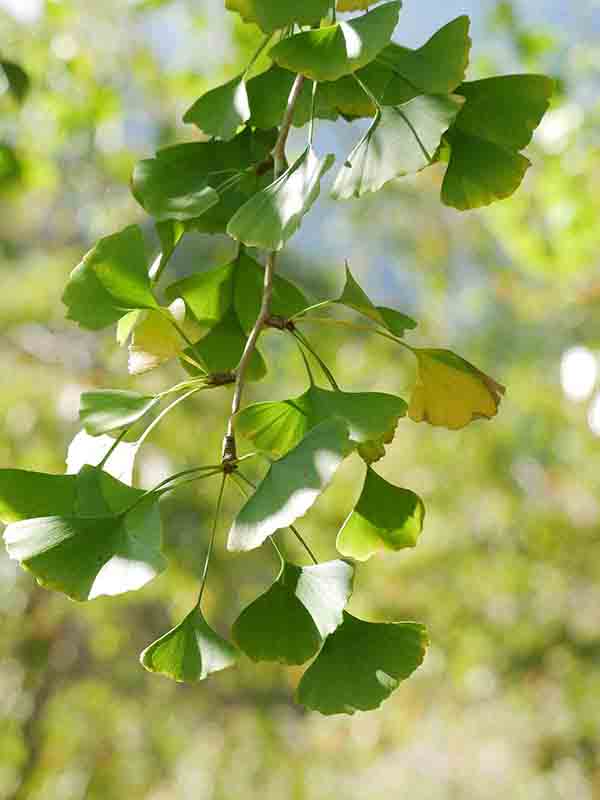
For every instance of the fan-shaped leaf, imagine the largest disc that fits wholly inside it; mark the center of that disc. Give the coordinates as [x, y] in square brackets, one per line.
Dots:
[189, 652]
[361, 664]
[273, 215]
[451, 392]
[292, 485]
[112, 409]
[292, 619]
[328, 53]
[112, 278]
[86, 449]
[25, 494]
[221, 111]
[386, 517]
[271, 15]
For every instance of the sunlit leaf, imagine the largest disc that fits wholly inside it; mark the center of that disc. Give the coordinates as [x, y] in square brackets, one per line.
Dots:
[268, 95]
[156, 340]
[100, 548]
[112, 409]
[386, 517]
[111, 279]
[401, 140]
[273, 14]
[496, 122]
[189, 652]
[273, 215]
[450, 392]
[169, 233]
[328, 53]
[361, 664]
[277, 427]
[292, 619]
[292, 485]
[221, 111]
[25, 494]
[86, 449]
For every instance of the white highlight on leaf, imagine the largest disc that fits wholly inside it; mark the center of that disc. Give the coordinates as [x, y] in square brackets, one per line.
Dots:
[353, 41]
[119, 573]
[86, 449]
[578, 373]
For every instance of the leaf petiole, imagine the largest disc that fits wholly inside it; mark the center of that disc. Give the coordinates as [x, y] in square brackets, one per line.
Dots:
[213, 535]
[326, 371]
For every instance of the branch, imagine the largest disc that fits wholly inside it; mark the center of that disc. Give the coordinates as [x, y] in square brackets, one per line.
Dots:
[229, 445]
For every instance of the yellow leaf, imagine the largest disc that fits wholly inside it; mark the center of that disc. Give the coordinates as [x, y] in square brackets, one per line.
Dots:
[450, 392]
[155, 339]
[355, 5]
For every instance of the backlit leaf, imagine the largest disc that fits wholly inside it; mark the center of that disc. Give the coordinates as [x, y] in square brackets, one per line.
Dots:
[273, 14]
[112, 409]
[292, 485]
[25, 494]
[386, 517]
[361, 664]
[155, 339]
[328, 53]
[86, 449]
[189, 652]
[273, 215]
[221, 111]
[450, 392]
[292, 619]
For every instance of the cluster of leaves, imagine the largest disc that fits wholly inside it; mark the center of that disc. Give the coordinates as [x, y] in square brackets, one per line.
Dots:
[90, 533]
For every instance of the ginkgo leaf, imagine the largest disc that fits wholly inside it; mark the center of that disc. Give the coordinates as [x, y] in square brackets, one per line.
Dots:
[268, 95]
[156, 340]
[221, 111]
[361, 664]
[86, 449]
[450, 392]
[25, 494]
[386, 517]
[278, 427]
[355, 5]
[170, 233]
[286, 299]
[292, 485]
[111, 279]
[354, 297]
[401, 140]
[190, 652]
[495, 124]
[271, 15]
[273, 215]
[222, 348]
[111, 409]
[108, 544]
[437, 67]
[292, 619]
[202, 182]
[328, 53]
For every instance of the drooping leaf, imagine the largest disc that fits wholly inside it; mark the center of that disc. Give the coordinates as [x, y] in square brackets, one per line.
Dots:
[270, 15]
[292, 485]
[273, 215]
[99, 548]
[86, 449]
[190, 652]
[326, 54]
[278, 427]
[450, 392]
[25, 494]
[401, 140]
[386, 517]
[495, 124]
[292, 619]
[111, 279]
[361, 664]
[437, 67]
[202, 183]
[17, 80]
[354, 297]
[112, 409]
[221, 111]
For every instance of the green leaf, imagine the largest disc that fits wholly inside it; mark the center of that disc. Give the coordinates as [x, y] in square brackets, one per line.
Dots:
[437, 67]
[273, 215]
[189, 652]
[221, 111]
[112, 409]
[401, 140]
[292, 485]
[276, 428]
[355, 5]
[99, 548]
[386, 517]
[16, 79]
[194, 182]
[496, 122]
[354, 297]
[272, 15]
[169, 233]
[91, 450]
[111, 279]
[155, 339]
[361, 664]
[328, 53]
[25, 494]
[290, 622]
[222, 348]
[286, 301]
[450, 392]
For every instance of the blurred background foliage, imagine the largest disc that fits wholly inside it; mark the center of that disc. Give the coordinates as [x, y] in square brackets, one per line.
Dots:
[507, 573]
